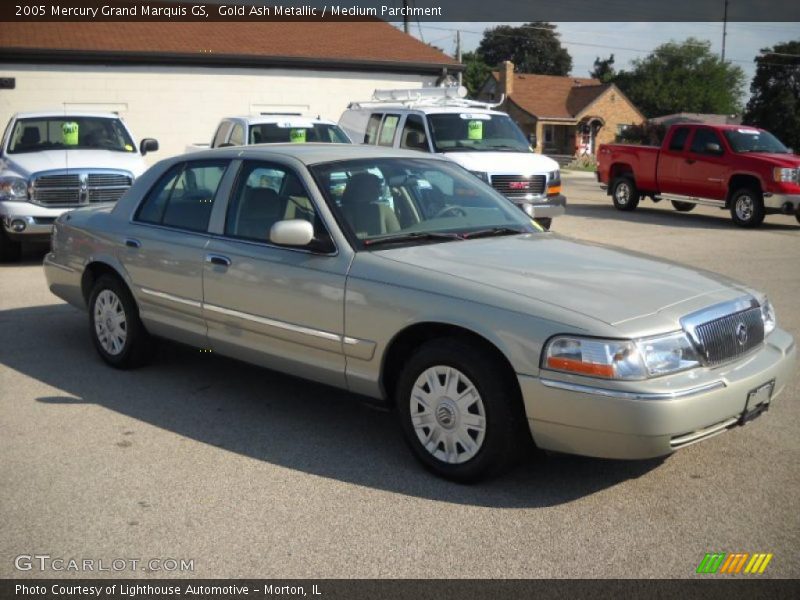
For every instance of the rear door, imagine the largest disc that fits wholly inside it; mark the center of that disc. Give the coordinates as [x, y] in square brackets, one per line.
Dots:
[670, 161]
[703, 173]
[164, 249]
[280, 307]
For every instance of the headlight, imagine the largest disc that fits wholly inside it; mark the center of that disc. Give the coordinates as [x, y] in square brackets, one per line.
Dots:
[554, 175]
[621, 359]
[13, 188]
[768, 316]
[483, 176]
[786, 175]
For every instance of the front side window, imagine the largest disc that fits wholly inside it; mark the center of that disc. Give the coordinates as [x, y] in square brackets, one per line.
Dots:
[477, 132]
[414, 136]
[268, 193]
[184, 196]
[414, 201]
[70, 133]
[703, 137]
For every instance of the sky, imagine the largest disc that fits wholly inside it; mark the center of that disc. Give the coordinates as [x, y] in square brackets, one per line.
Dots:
[586, 41]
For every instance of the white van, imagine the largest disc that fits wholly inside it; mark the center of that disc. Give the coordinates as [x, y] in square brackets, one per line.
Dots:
[484, 141]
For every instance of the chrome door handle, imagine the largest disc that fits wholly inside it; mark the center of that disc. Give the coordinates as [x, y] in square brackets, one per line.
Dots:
[133, 243]
[218, 259]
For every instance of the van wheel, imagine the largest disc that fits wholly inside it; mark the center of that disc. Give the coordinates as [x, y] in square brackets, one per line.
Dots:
[460, 416]
[624, 193]
[747, 207]
[10, 250]
[683, 206]
[117, 332]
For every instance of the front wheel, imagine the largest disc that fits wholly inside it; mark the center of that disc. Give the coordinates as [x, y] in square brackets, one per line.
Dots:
[747, 207]
[624, 193]
[459, 413]
[683, 206]
[117, 333]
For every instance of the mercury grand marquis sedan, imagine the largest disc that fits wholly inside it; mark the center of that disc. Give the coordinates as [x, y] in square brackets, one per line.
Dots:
[407, 279]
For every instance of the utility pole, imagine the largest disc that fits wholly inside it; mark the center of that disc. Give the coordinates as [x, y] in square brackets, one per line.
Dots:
[406, 21]
[724, 29]
[458, 55]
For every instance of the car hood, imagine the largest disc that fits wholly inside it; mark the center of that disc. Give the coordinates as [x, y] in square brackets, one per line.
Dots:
[778, 160]
[510, 163]
[600, 282]
[28, 163]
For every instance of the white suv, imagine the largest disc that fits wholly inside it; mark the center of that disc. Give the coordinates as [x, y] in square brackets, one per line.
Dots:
[484, 141]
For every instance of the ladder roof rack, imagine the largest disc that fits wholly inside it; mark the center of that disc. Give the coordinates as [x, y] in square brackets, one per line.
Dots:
[433, 96]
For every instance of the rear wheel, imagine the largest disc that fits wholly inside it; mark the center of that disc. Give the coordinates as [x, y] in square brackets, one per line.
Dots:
[117, 332]
[683, 206]
[10, 250]
[624, 193]
[747, 207]
[460, 415]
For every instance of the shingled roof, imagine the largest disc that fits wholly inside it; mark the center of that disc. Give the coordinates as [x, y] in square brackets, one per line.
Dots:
[554, 97]
[371, 45]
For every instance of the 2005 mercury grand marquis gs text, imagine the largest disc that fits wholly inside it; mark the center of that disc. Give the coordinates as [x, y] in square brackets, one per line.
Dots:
[405, 278]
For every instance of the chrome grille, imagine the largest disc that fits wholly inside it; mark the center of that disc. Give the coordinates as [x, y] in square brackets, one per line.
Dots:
[720, 340]
[518, 185]
[79, 187]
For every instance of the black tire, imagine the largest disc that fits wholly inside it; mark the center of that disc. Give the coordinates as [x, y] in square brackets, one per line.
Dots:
[625, 194]
[10, 250]
[505, 435]
[797, 214]
[683, 206]
[545, 222]
[747, 207]
[136, 348]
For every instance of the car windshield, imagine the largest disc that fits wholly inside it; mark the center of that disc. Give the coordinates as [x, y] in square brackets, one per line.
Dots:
[476, 132]
[69, 133]
[275, 133]
[413, 201]
[754, 140]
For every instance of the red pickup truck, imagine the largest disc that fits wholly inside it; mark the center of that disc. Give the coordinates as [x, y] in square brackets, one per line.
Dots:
[743, 169]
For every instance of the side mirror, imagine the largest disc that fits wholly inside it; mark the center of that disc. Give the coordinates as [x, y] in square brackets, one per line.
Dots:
[292, 232]
[713, 148]
[148, 145]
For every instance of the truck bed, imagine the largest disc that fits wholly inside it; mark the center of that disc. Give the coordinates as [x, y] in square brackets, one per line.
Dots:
[614, 159]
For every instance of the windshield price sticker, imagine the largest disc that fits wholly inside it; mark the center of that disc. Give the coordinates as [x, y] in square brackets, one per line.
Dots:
[297, 136]
[475, 130]
[69, 133]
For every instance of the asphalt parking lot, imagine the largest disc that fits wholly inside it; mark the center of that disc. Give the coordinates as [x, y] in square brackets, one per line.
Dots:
[250, 473]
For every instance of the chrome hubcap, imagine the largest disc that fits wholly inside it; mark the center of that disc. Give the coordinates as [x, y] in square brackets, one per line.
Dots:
[623, 193]
[448, 414]
[744, 208]
[110, 324]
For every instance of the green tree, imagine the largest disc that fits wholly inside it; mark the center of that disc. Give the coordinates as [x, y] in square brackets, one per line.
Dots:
[476, 72]
[603, 69]
[775, 101]
[533, 48]
[683, 77]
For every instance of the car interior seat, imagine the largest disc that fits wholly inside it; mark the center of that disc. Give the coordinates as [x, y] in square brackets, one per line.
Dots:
[259, 210]
[363, 209]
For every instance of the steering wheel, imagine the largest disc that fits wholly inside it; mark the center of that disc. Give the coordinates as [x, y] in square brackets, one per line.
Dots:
[456, 210]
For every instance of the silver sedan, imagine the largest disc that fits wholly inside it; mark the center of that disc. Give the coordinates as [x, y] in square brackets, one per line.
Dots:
[407, 279]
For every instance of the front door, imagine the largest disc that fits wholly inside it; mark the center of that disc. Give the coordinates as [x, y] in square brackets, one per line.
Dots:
[279, 307]
[703, 173]
[671, 160]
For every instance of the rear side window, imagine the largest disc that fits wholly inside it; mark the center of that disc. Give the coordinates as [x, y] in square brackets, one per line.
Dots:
[237, 135]
[373, 125]
[678, 140]
[702, 137]
[184, 196]
[222, 132]
[387, 131]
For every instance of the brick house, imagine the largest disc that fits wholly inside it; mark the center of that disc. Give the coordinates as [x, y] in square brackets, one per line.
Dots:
[175, 80]
[568, 115]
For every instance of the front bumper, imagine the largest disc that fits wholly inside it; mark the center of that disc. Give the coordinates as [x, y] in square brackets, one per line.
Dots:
[782, 202]
[27, 222]
[653, 418]
[543, 208]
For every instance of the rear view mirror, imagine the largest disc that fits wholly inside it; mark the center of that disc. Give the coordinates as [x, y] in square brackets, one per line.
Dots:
[148, 145]
[292, 232]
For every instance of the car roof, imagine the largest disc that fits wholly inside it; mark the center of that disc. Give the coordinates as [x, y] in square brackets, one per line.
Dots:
[311, 153]
[65, 113]
[278, 117]
[426, 109]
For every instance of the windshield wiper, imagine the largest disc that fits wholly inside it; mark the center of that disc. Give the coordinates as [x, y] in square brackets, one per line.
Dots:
[413, 237]
[494, 231]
